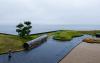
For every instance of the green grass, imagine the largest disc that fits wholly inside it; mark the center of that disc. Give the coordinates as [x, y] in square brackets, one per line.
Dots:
[93, 32]
[13, 42]
[66, 35]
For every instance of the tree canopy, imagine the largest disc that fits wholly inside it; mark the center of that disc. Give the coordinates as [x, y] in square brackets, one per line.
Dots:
[24, 29]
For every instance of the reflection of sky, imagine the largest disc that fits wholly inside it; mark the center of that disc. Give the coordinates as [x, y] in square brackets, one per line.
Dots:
[50, 11]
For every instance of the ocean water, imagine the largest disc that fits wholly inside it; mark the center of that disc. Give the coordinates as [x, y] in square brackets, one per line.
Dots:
[11, 29]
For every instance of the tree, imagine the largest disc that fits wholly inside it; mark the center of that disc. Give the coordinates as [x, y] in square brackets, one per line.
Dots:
[28, 27]
[24, 29]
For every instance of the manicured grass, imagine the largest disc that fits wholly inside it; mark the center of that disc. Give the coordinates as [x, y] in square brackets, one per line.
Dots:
[66, 35]
[13, 42]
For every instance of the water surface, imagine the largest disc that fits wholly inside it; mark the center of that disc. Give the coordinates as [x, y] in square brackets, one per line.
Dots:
[51, 51]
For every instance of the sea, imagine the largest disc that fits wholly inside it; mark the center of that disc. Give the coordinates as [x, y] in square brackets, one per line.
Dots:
[11, 29]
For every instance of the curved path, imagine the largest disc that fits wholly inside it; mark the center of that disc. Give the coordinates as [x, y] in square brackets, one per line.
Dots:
[51, 51]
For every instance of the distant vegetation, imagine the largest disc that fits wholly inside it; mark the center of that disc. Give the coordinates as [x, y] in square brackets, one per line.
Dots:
[91, 32]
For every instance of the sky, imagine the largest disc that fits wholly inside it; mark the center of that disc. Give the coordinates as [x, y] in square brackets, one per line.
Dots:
[50, 11]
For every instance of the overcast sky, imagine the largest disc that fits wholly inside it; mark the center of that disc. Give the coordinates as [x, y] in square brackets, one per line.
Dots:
[50, 11]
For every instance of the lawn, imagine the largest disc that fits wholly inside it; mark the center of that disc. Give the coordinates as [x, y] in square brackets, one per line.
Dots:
[66, 35]
[12, 42]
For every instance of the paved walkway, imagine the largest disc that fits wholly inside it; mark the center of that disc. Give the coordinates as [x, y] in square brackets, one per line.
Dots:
[84, 53]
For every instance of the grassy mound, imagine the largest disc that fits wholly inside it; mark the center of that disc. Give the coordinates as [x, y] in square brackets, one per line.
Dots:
[66, 35]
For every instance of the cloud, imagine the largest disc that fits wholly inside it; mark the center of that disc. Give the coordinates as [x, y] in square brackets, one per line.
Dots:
[50, 11]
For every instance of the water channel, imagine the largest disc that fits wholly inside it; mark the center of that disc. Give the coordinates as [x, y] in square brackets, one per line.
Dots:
[51, 51]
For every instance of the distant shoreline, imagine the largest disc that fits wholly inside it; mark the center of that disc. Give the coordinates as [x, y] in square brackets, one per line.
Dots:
[48, 32]
[11, 29]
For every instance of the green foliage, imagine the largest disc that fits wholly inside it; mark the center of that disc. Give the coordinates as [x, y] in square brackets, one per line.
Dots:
[27, 23]
[24, 29]
[20, 25]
